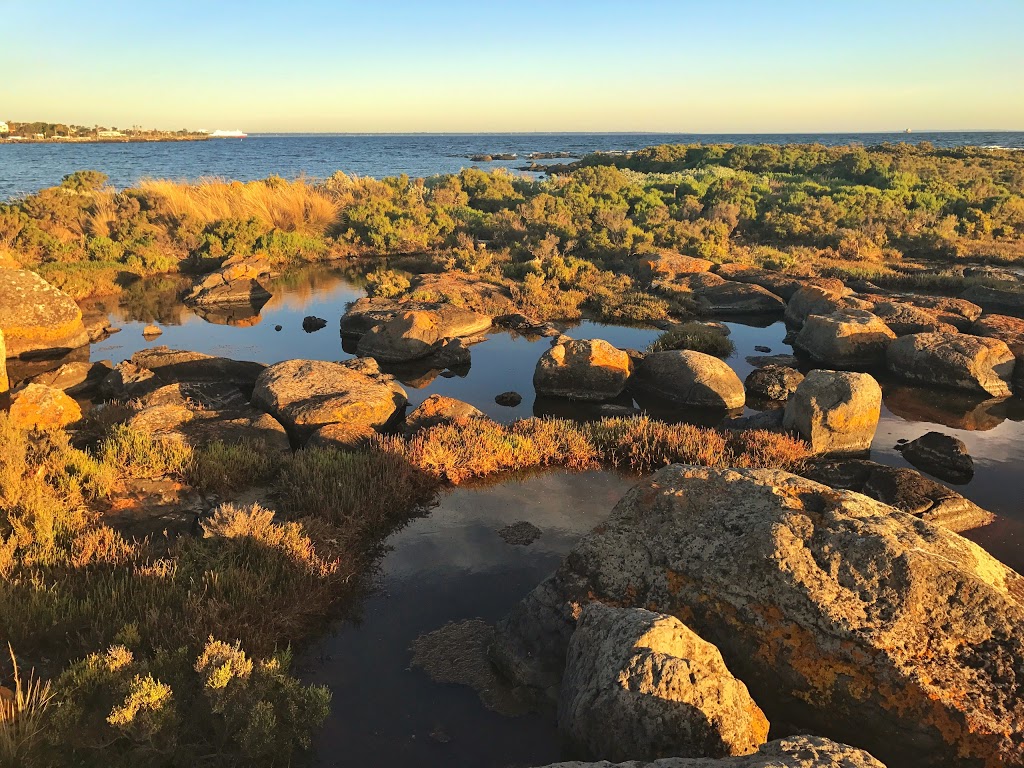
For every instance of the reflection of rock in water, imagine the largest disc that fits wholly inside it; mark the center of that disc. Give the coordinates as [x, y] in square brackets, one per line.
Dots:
[421, 375]
[664, 410]
[577, 409]
[457, 653]
[957, 410]
[154, 300]
[240, 315]
[522, 533]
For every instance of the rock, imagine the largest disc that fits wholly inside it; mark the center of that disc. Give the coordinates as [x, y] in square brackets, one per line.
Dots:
[760, 361]
[959, 313]
[667, 265]
[1009, 330]
[178, 365]
[996, 299]
[416, 334]
[236, 282]
[690, 379]
[941, 455]
[772, 382]
[904, 319]
[311, 324]
[760, 348]
[76, 377]
[791, 752]
[959, 361]
[836, 412]
[464, 291]
[640, 685]
[36, 318]
[127, 380]
[738, 299]
[278, 327]
[5, 383]
[769, 421]
[851, 338]
[509, 399]
[453, 353]
[151, 331]
[842, 615]
[41, 407]
[305, 395]
[585, 369]
[341, 436]
[438, 409]
[696, 282]
[201, 413]
[780, 284]
[906, 490]
[817, 300]
[98, 328]
[520, 534]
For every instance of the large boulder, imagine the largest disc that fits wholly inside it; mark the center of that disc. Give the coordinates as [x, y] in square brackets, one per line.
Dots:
[639, 685]
[851, 338]
[790, 752]
[236, 282]
[836, 412]
[365, 314]
[842, 615]
[1009, 330]
[904, 318]
[584, 369]
[941, 455]
[733, 298]
[41, 407]
[1008, 298]
[201, 413]
[955, 360]
[36, 318]
[306, 395]
[415, 334]
[464, 291]
[183, 366]
[821, 300]
[75, 378]
[438, 409]
[774, 383]
[689, 379]
[905, 489]
[959, 313]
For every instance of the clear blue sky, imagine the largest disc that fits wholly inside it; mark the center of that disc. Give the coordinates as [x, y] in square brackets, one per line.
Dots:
[521, 65]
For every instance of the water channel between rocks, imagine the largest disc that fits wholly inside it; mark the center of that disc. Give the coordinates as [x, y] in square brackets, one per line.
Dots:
[453, 565]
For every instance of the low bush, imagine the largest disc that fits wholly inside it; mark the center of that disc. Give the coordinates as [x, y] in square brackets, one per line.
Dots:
[695, 336]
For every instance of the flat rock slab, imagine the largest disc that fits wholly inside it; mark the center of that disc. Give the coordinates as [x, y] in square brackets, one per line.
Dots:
[178, 365]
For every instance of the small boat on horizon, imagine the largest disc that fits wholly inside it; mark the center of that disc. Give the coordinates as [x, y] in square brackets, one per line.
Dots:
[228, 135]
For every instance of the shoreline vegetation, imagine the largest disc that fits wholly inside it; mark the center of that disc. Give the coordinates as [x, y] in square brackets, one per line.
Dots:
[173, 648]
[13, 132]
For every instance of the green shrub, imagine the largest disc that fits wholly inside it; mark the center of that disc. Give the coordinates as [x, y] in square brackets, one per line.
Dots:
[695, 336]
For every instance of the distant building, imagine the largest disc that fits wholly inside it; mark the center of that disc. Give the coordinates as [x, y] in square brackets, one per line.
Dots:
[4, 128]
[109, 134]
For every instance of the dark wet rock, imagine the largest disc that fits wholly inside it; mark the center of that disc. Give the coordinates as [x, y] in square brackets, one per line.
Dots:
[759, 348]
[772, 382]
[790, 752]
[904, 489]
[615, 411]
[36, 318]
[438, 409]
[738, 299]
[836, 412]
[941, 455]
[590, 369]
[842, 615]
[520, 534]
[127, 380]
[955, 360]
[278, 327]
[75, 378]
[770, 421]
[306, 395]
[904, 319]
[687, 378]
[180, 365]
[990, 299]
[40, 407]
[760, 361]
[236, 282]
[311, 323]
[640, 685]
[851, 338]
[201, 413]
[510, 399]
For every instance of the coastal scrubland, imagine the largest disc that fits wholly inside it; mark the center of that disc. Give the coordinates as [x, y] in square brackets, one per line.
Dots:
[570, 243]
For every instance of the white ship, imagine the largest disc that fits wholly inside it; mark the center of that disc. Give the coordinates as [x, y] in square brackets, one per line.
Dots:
[228, 135]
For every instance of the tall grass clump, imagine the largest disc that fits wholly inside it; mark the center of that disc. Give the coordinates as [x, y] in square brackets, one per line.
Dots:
[23, 719]
[695, 336]
[141, 454]
[228, 467]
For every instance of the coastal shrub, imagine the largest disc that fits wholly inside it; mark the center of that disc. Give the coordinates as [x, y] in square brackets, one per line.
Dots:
[141, 454]
[386, 283]
[695, 336]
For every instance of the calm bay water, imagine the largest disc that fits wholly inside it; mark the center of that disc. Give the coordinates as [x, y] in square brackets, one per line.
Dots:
[25, 168]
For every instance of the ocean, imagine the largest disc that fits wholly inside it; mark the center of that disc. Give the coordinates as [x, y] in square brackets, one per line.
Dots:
[26, 168]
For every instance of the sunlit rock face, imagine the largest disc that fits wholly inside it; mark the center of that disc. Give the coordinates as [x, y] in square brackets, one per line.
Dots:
[589, 369]
[836, 412]
[955, 360]
[36, 318]
[842, 615]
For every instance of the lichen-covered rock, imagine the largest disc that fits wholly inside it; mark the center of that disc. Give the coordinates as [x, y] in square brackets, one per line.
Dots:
[640, 685]
[585, 369]
[734, 298]
[820, 300]
[415, 334]
[842, 615]
[956, 360]
[790, 752]
[41, 407]
[182, 366]
[772, 382]
[438, 409]
[904, 318]
[306, 395]
[689, 379]
[836, 412]
[941, 455]
[1009, 330]
[851, 338]
[236, 282]
[36, 318]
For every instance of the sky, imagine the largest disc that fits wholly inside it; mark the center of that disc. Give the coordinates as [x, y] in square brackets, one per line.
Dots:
[717, 66]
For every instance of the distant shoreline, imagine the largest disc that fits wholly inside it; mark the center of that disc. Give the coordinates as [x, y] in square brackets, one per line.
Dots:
[102, 140]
